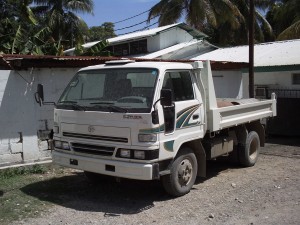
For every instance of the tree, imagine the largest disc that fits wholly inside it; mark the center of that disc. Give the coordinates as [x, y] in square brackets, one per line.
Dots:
[226, 21]
[284, 16]
[66, 27]
[17, 21]
[103, 32]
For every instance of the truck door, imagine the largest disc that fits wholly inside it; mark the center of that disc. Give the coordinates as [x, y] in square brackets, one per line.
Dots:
[183, 120]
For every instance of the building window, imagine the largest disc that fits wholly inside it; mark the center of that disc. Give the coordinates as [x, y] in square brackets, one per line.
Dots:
[121, 50]
[296, 78]
[138, 47]
[131, 48]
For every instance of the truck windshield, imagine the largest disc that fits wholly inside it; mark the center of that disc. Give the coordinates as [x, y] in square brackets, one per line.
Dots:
[111, 90]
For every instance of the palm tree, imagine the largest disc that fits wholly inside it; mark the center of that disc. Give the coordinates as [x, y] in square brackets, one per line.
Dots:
[224, 20]
[60, 16]
[285, 18]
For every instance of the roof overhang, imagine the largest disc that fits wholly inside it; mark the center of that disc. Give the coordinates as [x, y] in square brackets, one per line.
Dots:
[24, 62]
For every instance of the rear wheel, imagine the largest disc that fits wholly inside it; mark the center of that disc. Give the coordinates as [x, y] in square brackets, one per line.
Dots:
[248, 154]
[183, 174]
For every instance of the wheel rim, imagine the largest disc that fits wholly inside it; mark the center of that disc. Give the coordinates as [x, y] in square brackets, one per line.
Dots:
[253, 151]
[185, 172]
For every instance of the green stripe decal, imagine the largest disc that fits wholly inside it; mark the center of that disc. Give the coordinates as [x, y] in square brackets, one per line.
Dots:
[169, 146]
[185, 115]
[184, 110]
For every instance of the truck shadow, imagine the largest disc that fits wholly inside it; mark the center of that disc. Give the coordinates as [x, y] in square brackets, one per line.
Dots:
[110, 197]
[215, 167]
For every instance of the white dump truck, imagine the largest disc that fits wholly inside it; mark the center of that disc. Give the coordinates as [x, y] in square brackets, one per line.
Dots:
[153, 120]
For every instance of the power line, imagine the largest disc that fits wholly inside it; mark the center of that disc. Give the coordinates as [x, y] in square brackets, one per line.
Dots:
[132, 17]
[145, 21]
[144, 28]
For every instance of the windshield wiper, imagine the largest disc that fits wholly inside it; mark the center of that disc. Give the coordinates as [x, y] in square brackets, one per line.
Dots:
[100, 103]
[108, 105]
[74, 105]
[117, 108]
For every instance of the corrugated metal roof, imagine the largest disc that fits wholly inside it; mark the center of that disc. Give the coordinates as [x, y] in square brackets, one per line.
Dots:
[266, 54]
[170, 49]
[21, 62]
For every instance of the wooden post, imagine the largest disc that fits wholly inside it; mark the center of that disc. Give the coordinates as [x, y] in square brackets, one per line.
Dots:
[251, 49]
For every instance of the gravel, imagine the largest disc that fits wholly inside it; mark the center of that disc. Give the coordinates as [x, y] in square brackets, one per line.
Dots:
[268, 193]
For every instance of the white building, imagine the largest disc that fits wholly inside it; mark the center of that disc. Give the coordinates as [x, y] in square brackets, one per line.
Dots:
[175, 41]
[276, 65]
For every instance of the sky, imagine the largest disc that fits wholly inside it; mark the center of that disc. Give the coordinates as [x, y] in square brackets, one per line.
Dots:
[117, 10]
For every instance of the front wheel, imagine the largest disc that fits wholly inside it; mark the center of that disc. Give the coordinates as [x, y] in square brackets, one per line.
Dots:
[183, 174]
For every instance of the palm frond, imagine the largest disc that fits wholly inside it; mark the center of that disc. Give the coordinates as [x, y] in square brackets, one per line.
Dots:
[79, 6]
[16, 40]
[292, 32]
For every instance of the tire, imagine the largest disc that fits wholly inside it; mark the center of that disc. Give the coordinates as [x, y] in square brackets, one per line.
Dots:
[95, 178]
[184, 164]
[248, 154]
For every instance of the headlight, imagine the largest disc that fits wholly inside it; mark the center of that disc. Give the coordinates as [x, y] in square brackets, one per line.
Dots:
[65, 146]
[139, 154]
[125, 153]
[147, 137]
[62, 145]
[57, 144]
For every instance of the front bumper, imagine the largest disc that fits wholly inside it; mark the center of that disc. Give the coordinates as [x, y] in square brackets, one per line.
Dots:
[129, 170]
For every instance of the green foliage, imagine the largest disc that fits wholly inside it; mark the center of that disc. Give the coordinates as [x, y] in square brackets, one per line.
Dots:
[60, 16]
[96, 50]
[284, 16]
[18, 171]
[225, 21]
[49, 27]
[103, 32]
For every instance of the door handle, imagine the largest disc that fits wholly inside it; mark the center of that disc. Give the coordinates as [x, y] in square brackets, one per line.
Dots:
[196, 116]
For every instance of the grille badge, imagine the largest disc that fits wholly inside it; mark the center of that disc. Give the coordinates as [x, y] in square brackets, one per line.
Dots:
[91, 129]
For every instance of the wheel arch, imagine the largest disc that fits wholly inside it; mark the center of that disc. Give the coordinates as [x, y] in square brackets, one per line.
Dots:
[259, 129]
[197, 148]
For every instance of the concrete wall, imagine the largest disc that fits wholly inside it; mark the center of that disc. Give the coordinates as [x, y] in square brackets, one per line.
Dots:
[21, 117]
[282, 79]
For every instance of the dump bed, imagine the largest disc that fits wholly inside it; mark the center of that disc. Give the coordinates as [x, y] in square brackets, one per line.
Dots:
[240, 112]
[231, 112]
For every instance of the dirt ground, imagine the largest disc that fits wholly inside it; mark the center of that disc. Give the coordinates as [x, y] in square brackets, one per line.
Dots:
[268, 193]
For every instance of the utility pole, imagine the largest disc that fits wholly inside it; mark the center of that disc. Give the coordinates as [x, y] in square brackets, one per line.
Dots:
[251, 49]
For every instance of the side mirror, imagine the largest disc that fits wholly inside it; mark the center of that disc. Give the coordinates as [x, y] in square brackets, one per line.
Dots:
[39, 95]
[166, 97]
[155, 117]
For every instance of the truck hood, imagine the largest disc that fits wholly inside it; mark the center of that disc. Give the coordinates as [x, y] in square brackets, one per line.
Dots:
[106, 127]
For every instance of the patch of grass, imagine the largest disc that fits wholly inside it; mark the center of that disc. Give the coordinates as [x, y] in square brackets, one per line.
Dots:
[12, 172]
[14, 203]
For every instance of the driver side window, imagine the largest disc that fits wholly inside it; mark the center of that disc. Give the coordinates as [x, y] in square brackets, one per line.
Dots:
[179, 82]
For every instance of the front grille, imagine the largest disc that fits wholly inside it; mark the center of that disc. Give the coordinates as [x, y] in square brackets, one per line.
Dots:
[96, 137]
[93, 149]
